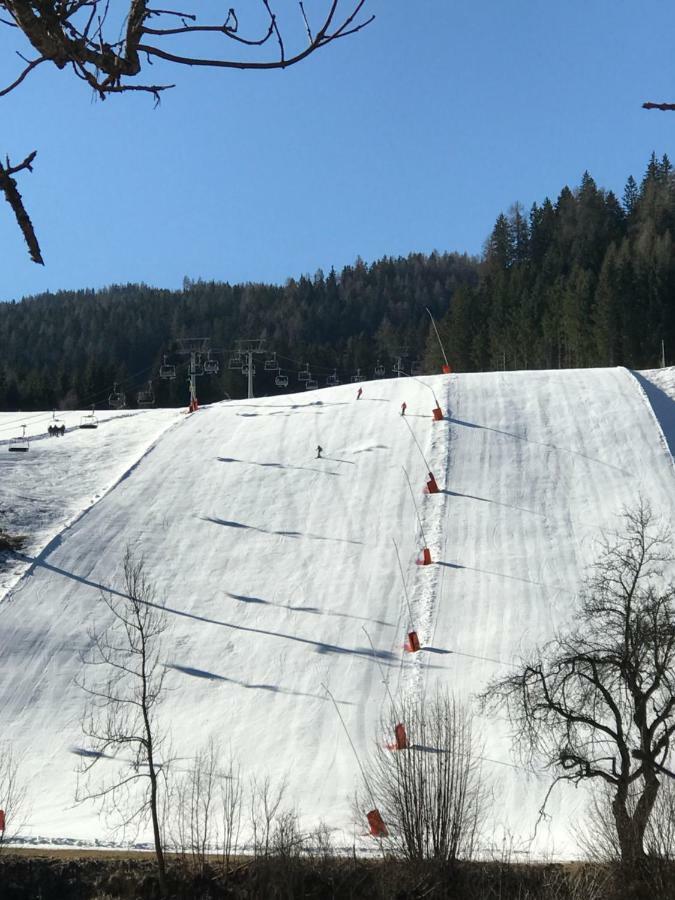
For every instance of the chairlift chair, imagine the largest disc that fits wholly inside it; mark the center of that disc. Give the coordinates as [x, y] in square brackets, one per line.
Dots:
[166, 371]
[311, 384]
[236, 362]
[211, 366]
[304, 374]
[332, 380]
[379, 370]
[281, 380]
[20, 444]
[89, 421]
[357, 377]
[416, 368]
[244, 369]
[117, 399]
[56, 422]
[271, 364]
[146, 397]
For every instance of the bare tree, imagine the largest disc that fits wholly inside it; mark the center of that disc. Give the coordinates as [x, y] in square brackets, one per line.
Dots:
[598, 701]
[124, 682]
[430, 792]
[265, 800]
[13, 794]
[110, 46]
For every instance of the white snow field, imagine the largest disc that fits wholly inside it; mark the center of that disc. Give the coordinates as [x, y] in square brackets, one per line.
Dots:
[278, 570]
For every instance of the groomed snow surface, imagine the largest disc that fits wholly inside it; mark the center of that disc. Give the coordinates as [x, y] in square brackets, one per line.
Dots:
[278, 569]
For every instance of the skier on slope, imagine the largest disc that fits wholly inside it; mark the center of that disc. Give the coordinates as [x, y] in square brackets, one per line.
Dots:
[404, 406]
[319, 451]
[358, 395]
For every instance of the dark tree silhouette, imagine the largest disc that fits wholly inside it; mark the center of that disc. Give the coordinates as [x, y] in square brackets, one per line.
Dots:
[598, 702]
[109, 47]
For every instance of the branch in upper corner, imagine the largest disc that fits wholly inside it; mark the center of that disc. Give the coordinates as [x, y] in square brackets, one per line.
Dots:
[668, 107]
[13, 197]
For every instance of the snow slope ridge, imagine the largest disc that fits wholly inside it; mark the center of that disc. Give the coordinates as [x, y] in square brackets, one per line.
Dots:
[46, 490]
[273, 562]
[658, 387]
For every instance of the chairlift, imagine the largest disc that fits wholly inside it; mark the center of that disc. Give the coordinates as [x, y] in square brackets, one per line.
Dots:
[167, 371]
[416, 368]
[281, 380]
[332, 380]
[311, 384]
[211, 366]
[271, 364]
[236, 362]
[117, 399]
[89, 421]
[304, 374]
[357, 377]
[146, 397]
[56, 422]
[20, 444]
[379, 370]
[244, 369]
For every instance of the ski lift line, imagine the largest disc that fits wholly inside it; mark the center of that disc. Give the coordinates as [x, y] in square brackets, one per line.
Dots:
[412, 433]
[86, 401]
[417, 512]
[405, 586]
[385, 680]
[351, 744]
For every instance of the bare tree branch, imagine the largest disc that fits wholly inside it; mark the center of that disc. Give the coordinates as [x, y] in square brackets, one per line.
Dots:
[76, 34]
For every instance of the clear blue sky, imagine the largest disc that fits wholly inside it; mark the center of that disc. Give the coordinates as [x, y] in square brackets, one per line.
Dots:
[410, 136]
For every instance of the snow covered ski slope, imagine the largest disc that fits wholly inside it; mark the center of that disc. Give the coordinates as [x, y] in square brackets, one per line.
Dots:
[280, 575]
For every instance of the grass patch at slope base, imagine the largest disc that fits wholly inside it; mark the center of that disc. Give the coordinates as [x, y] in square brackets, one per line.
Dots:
[95, 878]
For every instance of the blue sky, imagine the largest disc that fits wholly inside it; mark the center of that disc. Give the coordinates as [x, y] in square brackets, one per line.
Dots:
[410, 136]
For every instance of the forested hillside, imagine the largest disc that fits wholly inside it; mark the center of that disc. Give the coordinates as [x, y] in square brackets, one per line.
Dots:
[587, 280]
[67, 349]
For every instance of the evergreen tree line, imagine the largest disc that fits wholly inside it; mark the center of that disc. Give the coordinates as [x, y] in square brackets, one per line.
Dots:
[67, 349]
[584, 281]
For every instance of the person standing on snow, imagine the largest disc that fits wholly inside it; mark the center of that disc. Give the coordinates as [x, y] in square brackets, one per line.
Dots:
[404, 406]
[319, 451]
[358, 395]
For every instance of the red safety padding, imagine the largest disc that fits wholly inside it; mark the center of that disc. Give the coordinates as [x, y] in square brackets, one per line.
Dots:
[2, 820]
[438, 414]
[401, 737]
[377, 827]
[413, 644]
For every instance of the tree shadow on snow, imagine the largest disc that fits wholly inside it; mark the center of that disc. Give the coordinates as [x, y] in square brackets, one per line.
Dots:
[311, 610]
[275, 465]
[496, 502]
[270, 688]
[291, 534]
[548, 446]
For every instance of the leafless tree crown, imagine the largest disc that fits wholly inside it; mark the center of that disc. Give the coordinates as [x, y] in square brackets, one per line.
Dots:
[110, 45]
[598, 701]
[123, 681]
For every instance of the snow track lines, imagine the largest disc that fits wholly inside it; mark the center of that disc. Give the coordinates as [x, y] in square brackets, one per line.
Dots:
[272, 562]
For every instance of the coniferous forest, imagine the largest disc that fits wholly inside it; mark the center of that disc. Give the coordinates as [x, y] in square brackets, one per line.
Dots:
[585, 280]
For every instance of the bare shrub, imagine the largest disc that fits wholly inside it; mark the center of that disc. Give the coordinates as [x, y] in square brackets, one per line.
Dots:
[431, 795]
[12, 541]
[206, 809]
[265, 804]
[13, 793]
